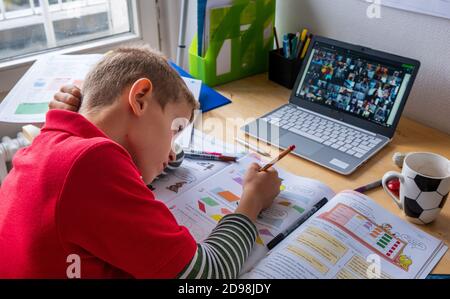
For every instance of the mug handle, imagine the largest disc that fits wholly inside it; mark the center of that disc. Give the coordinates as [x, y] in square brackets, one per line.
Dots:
[389, 177]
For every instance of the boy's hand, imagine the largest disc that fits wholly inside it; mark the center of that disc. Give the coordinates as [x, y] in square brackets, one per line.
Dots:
[68, 98]
[260, 189]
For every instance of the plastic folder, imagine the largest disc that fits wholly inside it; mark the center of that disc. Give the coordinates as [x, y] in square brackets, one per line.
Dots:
[209, 98]
[238, 39]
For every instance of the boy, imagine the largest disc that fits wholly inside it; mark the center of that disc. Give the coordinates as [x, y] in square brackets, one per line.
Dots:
[80, 189]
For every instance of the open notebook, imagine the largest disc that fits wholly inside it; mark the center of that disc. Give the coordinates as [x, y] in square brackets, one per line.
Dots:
[350, 237]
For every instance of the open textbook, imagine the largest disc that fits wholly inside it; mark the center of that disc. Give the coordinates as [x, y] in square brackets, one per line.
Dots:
[350, 237]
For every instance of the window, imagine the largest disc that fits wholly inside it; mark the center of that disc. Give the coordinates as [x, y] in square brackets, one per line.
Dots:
[31, 26]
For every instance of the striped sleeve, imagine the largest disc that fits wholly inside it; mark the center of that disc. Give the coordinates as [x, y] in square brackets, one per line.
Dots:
[223, 253]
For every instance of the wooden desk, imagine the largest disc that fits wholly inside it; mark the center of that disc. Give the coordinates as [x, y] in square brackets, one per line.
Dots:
[252, 97]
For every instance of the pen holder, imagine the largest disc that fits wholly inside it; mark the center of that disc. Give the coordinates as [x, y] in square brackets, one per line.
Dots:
[282, 70]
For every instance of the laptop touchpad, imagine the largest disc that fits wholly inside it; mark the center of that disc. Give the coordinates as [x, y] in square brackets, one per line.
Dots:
[305, 146]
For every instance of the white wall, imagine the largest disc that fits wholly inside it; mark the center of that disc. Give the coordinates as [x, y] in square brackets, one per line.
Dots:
[417, 36]
[169, 26]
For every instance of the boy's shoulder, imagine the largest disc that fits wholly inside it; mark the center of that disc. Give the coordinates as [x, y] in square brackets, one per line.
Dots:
[57, 159]
[98, 152]
[99, 164]
[69, 138]
[72, 150]
[87, 148]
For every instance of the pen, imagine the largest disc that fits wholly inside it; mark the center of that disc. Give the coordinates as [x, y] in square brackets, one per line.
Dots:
[369, 187]
[277, 159]
[252, 147]
[281, 236]
[211, 157]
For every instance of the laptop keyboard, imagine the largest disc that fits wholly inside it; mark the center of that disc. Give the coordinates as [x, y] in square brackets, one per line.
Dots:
[331, 134]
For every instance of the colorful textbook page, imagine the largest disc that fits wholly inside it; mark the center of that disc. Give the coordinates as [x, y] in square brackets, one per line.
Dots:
[200, 201]
[192, 172]
[352, 237]
[28, 100]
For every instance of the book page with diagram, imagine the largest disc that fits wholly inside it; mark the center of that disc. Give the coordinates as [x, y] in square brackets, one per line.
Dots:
[175, 182]
[201, 207]
[28, 100]
[352, 237]
[192, 172]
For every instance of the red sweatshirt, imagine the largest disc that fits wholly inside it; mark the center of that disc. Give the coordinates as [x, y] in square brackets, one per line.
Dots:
[75, 191]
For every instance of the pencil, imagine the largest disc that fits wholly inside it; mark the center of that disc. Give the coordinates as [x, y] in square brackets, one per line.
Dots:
[253, 148]
[276, 160]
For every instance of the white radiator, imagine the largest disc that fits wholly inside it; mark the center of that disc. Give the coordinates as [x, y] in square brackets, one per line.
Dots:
[9, 147]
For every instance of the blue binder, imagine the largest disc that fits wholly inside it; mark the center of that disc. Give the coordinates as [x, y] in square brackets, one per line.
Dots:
[209, 98]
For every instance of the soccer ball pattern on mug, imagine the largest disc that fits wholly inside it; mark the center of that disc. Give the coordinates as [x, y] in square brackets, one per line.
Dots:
[424, 198]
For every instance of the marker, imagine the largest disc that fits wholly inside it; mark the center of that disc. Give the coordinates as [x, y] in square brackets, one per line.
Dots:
[193, 152]
[295, 44]
[286, 46]
[305, 48]
[304, 35]
[276, 160]
[302, 42]
[369, 187]
[211, 157]
[280, 237]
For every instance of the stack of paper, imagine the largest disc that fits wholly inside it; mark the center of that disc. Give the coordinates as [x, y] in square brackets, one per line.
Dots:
[195, 86]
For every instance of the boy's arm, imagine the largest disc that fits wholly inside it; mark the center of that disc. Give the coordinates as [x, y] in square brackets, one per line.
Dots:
[223, 253]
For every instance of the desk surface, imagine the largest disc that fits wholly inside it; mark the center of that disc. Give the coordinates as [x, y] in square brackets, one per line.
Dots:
[255, 96]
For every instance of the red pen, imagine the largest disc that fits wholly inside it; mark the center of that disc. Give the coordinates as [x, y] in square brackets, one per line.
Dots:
[203, 153]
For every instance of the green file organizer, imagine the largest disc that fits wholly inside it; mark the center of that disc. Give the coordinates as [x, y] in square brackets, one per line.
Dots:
[241, 36]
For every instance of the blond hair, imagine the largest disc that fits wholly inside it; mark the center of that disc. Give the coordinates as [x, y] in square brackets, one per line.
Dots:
[123, 66]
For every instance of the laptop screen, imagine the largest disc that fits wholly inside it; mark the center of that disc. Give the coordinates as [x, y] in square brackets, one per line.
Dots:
[356, 83]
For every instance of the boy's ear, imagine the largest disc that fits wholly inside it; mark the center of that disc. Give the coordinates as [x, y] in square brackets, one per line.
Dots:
[139, 95]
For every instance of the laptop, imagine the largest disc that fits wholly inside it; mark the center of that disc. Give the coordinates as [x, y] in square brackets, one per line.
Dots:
[345, 105]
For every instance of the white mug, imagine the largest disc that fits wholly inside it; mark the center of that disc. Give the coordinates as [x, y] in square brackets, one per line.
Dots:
[424, 186]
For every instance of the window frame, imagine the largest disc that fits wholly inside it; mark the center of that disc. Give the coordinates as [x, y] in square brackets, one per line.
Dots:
[145, 21]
